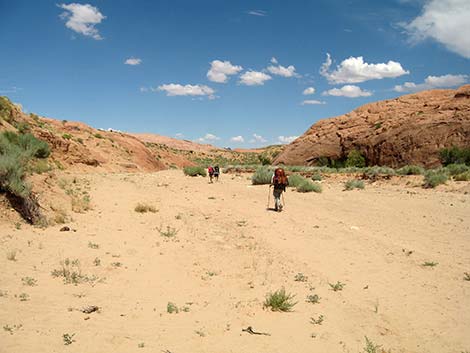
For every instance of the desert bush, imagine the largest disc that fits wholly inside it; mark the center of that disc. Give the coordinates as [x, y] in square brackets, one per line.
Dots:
[462, 177]
[40, 166]
[338, 286]
[295, 180]
[195, 171]
[71, 272]
[143, 208]
[379, 170]
[169, 232]
[280, 301]
[313, 299]
[354, 184]
[434, 178]
[455, 155]
[262, 176]
[371, 347]
[6, 108]
[317, 177]
[67, 136]
[410, 170]
[264, 159]
[309, 186]
[455, 169]
[355, 159]
[80, 203]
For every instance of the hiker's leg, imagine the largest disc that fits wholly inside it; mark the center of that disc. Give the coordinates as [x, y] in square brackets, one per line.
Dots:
[277, 199]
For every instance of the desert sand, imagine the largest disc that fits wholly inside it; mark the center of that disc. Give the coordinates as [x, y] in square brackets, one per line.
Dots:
[227, 254]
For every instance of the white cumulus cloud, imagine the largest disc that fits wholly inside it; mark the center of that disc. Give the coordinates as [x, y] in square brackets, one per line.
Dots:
[82, 18]
[349, 91]
[237, 139]
[308, 90]
[432, 82]
[445, 21]
[174, 89]
[286, 139]
[254, 78]
[258, 139]
[133, 61]
[280, 70]
[207, 138]
[220, 70]
[179, 135]
[355, 70]
[312, 102]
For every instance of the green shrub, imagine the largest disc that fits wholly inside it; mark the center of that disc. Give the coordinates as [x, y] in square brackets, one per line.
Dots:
[454, 169]
[296, 180]
[67, 136]
[23, 127]
[462, 177]
[280, 301]
[308, 186]
[455, 155]
[411, 170]
[354, 184]
[6, 108]
[195, 171]
[434, 178]
[264, 159]
[262, 176]
[355, 159]
[317, 177]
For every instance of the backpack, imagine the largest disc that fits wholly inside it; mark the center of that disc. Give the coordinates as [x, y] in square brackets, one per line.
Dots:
[210, 170]
[216, 170]
[280, 179]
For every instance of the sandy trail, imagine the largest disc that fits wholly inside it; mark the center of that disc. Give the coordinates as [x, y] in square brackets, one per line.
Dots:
[228, 253]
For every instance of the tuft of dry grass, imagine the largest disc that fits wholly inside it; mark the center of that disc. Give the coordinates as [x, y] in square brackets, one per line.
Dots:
[144, 208]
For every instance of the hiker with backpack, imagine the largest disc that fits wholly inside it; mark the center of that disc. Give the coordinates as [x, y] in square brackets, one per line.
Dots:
[210, 171]
[216, 173]
[279, 181]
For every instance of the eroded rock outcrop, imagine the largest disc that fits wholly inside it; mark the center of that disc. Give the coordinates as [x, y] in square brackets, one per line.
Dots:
[406, 130]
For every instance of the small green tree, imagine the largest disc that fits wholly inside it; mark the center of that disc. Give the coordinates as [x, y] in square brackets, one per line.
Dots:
[355, 159]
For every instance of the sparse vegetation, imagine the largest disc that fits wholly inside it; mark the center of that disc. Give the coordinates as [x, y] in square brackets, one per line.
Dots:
[410, 170]
[68, 338]
[11, 255]
[144, 208]
[462, 177]
[71, 272]
[93, 245]
[97, 261]
[455, 155]
[355, 159]
[280, 301]
[317, 177]
[309, 186]
[429, 264]
[354, 184]
[338, 286]
[169, 232]
[29, 281]
[313, 299]
[23, 297]
[16, 153]
[195, 171]
[318, 321]
[171, 308]
[300, 277]
[434, 178]
[371, 347]
[262, 176]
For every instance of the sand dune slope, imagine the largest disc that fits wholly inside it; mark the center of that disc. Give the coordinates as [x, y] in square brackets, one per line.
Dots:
[227, 254]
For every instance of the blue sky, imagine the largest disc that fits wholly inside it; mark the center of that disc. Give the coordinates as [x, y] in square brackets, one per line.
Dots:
[232, 73]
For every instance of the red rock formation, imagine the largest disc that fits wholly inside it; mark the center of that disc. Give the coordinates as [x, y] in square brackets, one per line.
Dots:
[406, 130]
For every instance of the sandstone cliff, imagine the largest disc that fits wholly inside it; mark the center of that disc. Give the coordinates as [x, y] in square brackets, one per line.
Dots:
[407, 130]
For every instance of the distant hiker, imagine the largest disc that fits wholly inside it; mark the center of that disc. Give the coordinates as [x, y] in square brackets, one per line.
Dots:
[216, 172]
[280, 182]
[210, 170]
